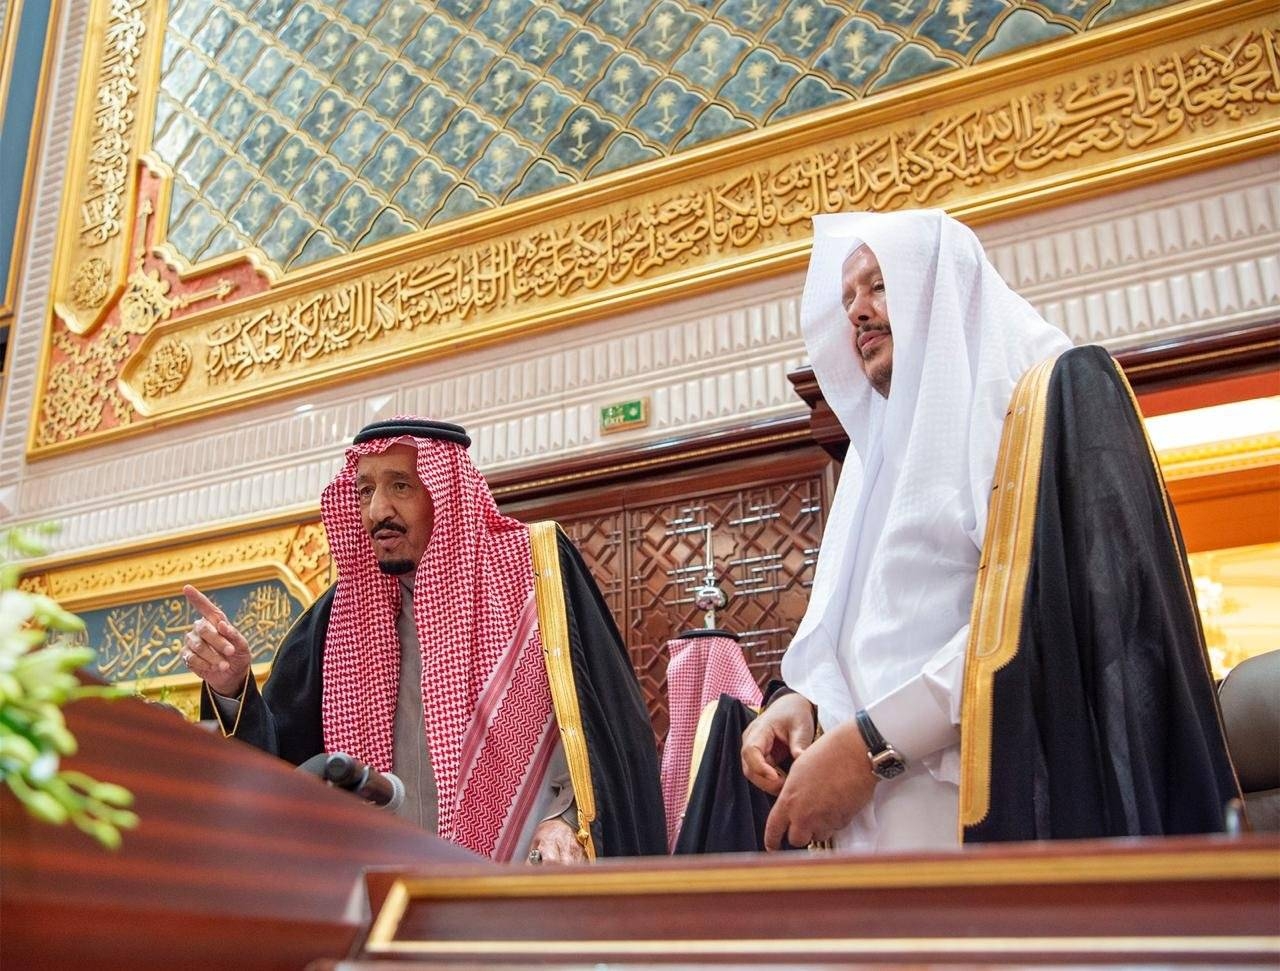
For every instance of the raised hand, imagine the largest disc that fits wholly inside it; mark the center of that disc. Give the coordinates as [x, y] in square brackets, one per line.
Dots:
[213, 649]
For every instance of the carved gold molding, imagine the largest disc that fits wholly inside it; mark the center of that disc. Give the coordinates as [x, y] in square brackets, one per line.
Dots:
[1184, 88]
[295, 553]
[1216, 458]
[114, 112]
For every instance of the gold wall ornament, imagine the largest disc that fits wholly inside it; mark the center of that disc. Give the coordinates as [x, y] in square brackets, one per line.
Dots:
[308, 557]
[91, 283]
[1150, 97]
[167, 368]
[35, 583]
[146, 299]
[102, 204]
[81, 393]
[118, 77]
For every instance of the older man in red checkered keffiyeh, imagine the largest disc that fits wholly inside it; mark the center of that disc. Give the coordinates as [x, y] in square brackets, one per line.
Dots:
[408, 501]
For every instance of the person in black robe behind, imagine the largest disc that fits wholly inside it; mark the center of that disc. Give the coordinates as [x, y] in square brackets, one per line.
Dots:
[1093, 714]
[725, 813]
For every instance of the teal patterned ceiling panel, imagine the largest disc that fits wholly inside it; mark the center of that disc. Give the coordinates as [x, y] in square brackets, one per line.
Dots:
[313, 129]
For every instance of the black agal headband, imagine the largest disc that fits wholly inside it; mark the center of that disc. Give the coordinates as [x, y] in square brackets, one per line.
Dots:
[416, 427]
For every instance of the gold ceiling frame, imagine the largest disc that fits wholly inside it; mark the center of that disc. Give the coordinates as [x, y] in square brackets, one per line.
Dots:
[290, 547]
[1032, 129]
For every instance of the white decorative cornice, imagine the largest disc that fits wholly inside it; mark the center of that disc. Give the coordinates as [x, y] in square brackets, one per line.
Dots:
[1135, 267]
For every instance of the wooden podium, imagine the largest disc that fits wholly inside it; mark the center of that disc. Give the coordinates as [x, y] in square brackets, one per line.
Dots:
[238, 861]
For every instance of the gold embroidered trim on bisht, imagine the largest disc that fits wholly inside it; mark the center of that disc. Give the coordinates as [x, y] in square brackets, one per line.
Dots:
[217, 713]
[700, 736]
[996, 620]
[554, 626]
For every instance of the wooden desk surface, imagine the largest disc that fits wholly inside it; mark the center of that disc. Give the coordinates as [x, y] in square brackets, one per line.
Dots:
[1205, 900]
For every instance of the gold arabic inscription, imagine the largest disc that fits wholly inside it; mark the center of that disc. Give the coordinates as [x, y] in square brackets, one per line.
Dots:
[1129, 108]
[102, 205]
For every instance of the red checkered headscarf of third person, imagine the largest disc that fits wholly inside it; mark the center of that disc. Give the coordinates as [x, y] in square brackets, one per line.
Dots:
[705, 663]
[470, 590]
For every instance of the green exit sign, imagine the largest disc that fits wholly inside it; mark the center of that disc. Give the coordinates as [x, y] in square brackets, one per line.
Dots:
[624, 415]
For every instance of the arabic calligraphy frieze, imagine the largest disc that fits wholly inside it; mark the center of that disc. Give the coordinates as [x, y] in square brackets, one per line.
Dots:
[1128, 108]
[93, 251]
[102, 204]
[144, 640]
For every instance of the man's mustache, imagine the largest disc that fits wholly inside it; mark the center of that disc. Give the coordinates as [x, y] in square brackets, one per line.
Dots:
[867, 330]
[387, 524]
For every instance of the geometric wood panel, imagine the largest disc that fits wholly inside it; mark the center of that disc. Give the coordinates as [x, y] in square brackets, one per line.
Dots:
[764, 542]
[646, 547]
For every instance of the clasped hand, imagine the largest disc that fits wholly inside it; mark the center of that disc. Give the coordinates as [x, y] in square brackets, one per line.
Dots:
[554, 841]
[829, 781]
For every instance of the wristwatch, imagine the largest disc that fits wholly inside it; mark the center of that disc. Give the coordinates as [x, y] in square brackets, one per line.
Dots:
[885, 761]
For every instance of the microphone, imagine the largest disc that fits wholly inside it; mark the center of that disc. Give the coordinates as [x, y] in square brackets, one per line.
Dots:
[346, 772]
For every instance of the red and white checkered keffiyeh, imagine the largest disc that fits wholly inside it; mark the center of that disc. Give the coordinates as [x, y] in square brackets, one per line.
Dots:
[701, 669]
[489, 718]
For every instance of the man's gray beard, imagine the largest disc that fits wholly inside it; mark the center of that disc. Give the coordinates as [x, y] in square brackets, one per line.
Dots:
[397, 567]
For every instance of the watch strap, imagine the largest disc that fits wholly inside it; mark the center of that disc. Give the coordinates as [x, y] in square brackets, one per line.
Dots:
[870, 734]
[885, 760]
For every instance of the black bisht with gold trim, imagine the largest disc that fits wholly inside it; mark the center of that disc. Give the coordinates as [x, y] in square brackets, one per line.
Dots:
[619, 796]
[1089, 708]
[627, 816]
